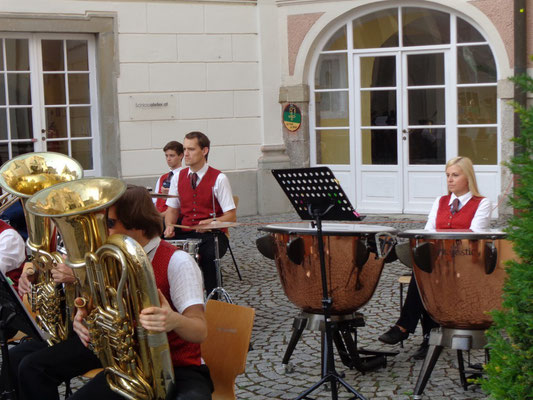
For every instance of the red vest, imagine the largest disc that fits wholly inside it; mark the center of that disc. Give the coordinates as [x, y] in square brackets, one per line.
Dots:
[14, 274]
[182, 353]
[161, 204]
[197, 204]
[462, 219]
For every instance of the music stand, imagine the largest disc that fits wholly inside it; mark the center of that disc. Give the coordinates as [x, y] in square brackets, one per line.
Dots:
[316, 195]
[14, 317]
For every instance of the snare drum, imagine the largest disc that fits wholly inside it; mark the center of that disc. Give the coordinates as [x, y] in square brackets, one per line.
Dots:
[460, 274]
[352, 271]
[190, 246]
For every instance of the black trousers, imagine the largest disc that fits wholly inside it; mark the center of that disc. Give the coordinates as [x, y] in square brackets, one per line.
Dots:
[191, 383]
[39, 369]
[413, 310]
[206, 252]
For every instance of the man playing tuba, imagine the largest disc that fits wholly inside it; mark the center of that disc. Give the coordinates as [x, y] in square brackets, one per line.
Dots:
[181, 315]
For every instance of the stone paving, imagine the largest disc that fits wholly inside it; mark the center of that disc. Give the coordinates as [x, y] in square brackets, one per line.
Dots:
[266, 378]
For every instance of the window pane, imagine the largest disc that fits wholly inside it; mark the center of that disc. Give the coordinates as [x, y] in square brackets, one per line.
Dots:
[467, 33]
[376, 30]
[77, 58]
[380, 147]
[3, 124]
[17, 57]
[475, 64]
[82, 152]
[18, 86]
[2, 90]
[21, 148]
[333, 146]
[21, 123]
[427, 146]
[78, 89]
[378, 107]
[425, 27]
[56, 122]
[479, 144]
[54, 89]
[426, 107]
[4, 153]
[477, 105]
[331, 72]
[1, 54]
[60, 146]
[378, 71]
[337, 41]
[331, 109]
[80, 121]
[425, 69]
[53, 56]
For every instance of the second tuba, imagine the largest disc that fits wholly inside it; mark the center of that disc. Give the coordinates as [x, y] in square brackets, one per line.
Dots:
[20, 178]
[116, 282]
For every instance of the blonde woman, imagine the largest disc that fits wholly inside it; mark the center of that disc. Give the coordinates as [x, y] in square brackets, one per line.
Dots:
[462, 208]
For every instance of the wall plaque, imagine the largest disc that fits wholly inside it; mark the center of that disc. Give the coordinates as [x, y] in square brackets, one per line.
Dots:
[153, 107]
[292, 117]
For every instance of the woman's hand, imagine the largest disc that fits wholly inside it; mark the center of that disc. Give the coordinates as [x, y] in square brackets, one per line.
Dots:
[159, 319]
[79, 326]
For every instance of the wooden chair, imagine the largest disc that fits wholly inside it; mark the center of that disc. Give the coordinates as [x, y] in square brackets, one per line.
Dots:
[229, 329]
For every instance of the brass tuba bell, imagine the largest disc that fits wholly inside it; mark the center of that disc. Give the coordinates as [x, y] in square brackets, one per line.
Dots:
[116, 281]
[20, 178]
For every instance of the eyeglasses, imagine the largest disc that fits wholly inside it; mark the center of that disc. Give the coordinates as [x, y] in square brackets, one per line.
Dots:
[111, 222]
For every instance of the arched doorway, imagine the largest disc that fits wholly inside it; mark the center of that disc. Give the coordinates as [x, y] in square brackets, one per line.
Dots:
[397, 92]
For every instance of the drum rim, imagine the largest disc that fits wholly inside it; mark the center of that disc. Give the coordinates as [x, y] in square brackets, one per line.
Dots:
[326, 230]
[454, 234]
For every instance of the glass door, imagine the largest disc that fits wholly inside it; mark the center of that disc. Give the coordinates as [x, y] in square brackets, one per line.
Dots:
[425, 117]
[379, 165]
[48, 97]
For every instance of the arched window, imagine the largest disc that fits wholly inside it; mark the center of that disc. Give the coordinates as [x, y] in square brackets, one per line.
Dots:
[397, 92]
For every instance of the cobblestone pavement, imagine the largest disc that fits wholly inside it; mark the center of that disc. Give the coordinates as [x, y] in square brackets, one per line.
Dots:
[266, 378]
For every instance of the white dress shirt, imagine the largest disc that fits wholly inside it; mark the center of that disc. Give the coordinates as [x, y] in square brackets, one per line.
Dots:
[184, 277]
[222, 190]
[158, 183]
[12, 250]
[481, 218]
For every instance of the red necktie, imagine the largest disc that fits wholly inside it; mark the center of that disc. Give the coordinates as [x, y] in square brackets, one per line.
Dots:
[455, 206]
[194, 179]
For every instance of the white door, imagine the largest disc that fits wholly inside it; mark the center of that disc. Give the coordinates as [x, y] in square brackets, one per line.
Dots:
[48, 99]
[426, 112]
[400, 133]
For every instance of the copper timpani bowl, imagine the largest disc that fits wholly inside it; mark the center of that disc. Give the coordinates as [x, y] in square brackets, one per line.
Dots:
[460, 274]
[351, 283]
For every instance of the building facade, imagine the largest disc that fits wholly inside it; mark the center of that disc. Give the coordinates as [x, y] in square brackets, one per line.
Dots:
[382, 92]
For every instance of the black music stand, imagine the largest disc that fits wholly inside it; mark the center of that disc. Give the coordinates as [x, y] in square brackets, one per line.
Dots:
[316, 195]
[14, 317]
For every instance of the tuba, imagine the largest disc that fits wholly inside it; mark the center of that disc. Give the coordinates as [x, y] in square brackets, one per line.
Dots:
[116, 281]
[20, 178]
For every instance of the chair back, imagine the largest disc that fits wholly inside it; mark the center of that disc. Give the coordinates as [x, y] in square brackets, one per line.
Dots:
[229, 329]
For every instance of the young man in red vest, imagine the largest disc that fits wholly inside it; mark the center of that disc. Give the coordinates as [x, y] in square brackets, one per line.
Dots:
[200, 188]
[174, 155]
[12, 253]
[181, 315]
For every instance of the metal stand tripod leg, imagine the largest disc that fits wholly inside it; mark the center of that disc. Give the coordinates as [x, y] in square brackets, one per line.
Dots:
[219, 290]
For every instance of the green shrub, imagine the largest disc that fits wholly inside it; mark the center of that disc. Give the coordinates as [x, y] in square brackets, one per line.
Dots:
[509, 373]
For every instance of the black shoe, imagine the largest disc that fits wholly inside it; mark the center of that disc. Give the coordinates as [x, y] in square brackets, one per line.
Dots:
[393, 335]
[421, 352]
